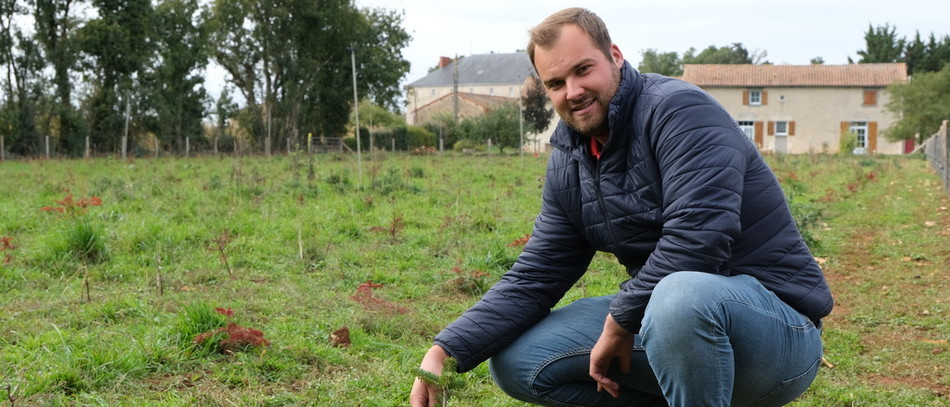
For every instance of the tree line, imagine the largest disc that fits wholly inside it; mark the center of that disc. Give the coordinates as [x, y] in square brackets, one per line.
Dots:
[101, 69]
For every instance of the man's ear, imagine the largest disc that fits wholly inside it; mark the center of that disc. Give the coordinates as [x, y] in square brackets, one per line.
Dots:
[617, 55]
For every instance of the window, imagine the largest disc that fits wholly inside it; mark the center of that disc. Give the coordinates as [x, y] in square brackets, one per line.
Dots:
[861, 130]
[511, 91]
[755, 97]
[748, 128]
[491, 91]
[870, 97]
[781, 128]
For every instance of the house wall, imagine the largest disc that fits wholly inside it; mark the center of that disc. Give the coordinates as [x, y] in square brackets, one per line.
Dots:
[419, 97]
[817, 113]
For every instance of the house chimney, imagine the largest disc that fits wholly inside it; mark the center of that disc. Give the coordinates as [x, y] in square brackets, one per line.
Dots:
[444, 62]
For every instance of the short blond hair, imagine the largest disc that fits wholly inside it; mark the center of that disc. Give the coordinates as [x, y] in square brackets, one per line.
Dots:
[545, 34]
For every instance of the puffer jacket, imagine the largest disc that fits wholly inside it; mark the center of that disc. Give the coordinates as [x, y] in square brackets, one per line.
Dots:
[678, 187]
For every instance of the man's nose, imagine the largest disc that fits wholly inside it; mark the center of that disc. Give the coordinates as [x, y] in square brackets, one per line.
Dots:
[574, 90]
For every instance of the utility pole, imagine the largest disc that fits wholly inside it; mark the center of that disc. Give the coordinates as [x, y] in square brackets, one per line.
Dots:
[356, 107]
[455, 89]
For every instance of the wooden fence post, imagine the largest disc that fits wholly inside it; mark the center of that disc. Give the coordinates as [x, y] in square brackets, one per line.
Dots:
[3, 154]
[86, 153]
[47, 147]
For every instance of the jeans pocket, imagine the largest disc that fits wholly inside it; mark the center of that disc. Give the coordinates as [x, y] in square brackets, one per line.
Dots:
[790, 389]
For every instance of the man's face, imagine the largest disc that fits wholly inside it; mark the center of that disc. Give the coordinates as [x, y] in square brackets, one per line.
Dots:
[580, 80]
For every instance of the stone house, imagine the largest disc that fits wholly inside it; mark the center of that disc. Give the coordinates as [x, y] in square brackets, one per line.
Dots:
[806, 108]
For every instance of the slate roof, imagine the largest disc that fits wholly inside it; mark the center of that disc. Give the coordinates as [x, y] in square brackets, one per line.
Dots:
[484, 69]
[852, 75]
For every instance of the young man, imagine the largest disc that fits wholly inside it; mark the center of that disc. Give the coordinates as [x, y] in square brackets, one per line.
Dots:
[723, 299]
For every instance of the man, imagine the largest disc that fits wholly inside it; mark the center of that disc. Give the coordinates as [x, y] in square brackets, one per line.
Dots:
[723, 299]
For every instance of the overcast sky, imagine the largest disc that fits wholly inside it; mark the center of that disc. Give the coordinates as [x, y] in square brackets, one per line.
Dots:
[791, 32]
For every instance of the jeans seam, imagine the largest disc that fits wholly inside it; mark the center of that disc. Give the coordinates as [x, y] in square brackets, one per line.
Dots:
[544, 364]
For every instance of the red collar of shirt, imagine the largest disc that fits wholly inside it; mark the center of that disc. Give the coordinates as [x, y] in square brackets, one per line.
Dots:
[595, 148]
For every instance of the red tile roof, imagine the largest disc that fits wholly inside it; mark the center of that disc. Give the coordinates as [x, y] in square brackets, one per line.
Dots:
[853, 75]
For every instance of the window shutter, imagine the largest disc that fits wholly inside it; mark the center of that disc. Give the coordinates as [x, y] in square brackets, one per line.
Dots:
[870, 97]
[765, 98]
[791, 128]
[771, 128]
[745, 97]
[872, 137]
[758, 134]
[845, 128]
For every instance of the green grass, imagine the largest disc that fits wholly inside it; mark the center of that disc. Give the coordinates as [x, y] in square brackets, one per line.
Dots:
[102, 308]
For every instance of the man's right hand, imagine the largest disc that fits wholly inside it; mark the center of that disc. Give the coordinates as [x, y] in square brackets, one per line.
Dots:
[425, 394]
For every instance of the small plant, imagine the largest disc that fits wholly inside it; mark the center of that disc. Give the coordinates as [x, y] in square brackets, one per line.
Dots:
[521, 241]
[445, 383]
[364, 295]
[221, 243]
[81, 237]
[6, 246]
[231, 338]
[393, 229]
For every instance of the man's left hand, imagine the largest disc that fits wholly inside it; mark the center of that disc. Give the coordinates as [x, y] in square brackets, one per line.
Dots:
[614, 342]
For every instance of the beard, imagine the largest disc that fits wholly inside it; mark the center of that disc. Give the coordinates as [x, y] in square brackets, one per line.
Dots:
[593, 123]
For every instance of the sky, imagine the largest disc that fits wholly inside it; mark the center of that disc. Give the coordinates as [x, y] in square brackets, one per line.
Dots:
[791, 32]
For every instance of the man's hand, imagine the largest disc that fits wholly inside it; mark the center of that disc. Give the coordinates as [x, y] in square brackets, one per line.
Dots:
[425, 394]
[614, 342]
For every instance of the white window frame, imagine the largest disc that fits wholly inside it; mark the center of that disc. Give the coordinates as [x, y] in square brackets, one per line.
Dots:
[755, 97]
[861, 130]
[781, 132]
[747, 127]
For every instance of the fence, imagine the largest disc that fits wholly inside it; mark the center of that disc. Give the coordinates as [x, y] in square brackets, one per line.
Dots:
[937, 149]
[153, 149]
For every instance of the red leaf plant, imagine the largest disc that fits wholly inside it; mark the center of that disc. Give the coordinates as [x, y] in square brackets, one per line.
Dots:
[364, 295]
[5, 245]
[521, 241]
[236, 338]
[71, 207]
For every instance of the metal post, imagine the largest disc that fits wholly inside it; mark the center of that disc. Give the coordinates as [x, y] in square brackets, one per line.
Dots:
[187, 145]
[356, 106]
[47, 147]
[87, 152]
[125, 138]
[521, 120]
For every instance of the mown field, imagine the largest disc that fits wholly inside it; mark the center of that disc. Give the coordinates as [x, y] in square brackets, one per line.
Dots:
[102, 295]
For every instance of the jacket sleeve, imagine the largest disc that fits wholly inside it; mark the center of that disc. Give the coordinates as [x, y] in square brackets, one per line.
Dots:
[701, 157]
[554, 259]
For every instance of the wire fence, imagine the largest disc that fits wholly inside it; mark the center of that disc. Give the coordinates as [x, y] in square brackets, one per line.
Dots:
[937, 149]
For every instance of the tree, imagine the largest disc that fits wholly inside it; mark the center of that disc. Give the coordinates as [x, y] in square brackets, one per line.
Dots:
[291, 60]
[663, 63]
[24, 84]
[174, 92]
[882, 45]
[534, 101]
[921, 104]
[57, 30]
[501, 125]
[730, 54]
[817, 61]
[117, 46]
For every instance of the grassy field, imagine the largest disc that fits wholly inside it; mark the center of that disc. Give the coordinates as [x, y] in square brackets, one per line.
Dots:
[102, 294]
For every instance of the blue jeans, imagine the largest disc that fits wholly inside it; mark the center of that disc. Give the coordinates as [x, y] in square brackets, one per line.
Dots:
[706, 340]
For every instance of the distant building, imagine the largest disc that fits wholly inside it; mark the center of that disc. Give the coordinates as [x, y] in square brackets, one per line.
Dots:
[484, 82]
[806, 108]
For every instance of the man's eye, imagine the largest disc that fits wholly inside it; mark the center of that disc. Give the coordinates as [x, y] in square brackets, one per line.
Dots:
[583, 69]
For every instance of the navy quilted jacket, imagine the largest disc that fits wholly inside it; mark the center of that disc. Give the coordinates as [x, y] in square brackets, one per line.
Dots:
[678, 187]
